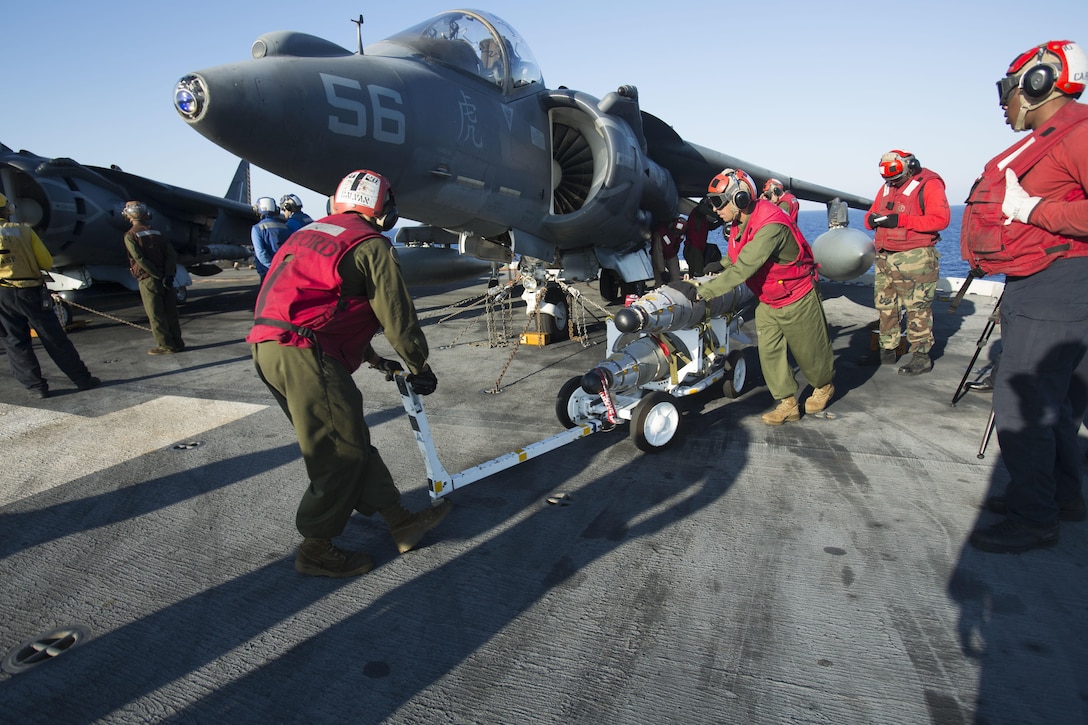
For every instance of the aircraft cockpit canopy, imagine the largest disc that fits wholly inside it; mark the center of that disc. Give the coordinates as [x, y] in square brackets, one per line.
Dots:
[475, 42]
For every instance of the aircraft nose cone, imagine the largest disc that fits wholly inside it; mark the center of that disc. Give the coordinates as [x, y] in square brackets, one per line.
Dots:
[191, 97]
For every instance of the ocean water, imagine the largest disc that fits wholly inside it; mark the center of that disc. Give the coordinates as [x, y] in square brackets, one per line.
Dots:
[813, 223]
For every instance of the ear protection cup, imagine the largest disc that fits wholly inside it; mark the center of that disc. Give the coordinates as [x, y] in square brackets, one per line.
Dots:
[1038, 82]
[913, 165]
[742, 199]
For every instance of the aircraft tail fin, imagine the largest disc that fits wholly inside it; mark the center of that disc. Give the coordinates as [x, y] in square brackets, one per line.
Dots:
[239, 185]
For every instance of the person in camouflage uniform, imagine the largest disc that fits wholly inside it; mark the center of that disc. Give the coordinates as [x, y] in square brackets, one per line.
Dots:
[908, 214]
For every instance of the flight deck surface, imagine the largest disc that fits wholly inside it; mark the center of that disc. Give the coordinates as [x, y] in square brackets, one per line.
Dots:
[816, 572]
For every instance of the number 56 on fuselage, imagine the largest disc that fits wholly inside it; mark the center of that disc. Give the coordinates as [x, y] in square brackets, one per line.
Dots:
[455, 112]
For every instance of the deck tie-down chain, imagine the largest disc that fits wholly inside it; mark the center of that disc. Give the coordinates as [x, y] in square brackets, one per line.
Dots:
[58, 298]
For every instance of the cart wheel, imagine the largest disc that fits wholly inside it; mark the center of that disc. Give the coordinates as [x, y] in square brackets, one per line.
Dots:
[654, 422]
[733, 385]
[572, 402]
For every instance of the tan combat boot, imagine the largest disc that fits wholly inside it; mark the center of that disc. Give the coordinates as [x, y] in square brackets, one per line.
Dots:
[319, 557]
[787, 410]
[408, 527]
[819, 399]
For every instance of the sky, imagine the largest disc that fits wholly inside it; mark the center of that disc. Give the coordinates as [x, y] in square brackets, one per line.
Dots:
[813, 90]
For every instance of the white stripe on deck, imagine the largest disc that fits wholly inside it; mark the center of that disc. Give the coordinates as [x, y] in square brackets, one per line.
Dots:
[44, 448]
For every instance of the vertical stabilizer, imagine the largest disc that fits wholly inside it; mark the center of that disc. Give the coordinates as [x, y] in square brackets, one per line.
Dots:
[239, 185]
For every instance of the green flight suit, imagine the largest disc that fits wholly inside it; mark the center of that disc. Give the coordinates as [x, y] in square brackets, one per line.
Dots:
[152, 260]
[800, 327]
[321, 400]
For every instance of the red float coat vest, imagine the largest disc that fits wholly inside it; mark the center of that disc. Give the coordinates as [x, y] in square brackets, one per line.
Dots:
[776, 285]
[907, 199]
[789, 204]
[671, 238]
[696, 230]
[1016, 249]
[300, 302]
[153, 245]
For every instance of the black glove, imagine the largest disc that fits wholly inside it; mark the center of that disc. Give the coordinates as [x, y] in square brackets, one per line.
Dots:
[890, 221]
[387, 366]
[168, 283]
[686, 288]
[423, 382]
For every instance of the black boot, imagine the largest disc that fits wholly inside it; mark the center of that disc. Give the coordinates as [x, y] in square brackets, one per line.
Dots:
[319, 557]
[408, 527]
[919, 363]
[1013, 537]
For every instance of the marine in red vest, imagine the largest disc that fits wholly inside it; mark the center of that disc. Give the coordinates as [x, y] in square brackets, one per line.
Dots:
[666, 238]
[1027, 217]
[329, 289]
[908, 215]
[768, 253]
[775, 192]
[703, 257]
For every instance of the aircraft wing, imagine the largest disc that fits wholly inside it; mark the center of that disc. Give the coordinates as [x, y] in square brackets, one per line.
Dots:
[693, 166]
[76, 211]
[174, 197]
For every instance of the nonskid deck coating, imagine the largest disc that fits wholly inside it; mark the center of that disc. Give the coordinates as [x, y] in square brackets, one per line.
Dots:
[814, 572]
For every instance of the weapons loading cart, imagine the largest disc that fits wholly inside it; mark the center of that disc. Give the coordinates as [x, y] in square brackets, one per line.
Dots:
[664, 349]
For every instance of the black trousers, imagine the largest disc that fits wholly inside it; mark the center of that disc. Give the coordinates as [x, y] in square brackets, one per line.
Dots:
[20, 309]
[1041, 388]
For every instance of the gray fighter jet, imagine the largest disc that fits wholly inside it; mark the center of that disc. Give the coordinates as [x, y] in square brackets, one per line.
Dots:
[76, 210]
[455, 112]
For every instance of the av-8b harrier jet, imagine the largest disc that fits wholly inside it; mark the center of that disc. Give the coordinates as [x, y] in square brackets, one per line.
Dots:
[455, 112]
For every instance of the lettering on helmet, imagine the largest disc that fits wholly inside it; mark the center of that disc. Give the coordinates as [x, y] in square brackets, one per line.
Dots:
[360, 190]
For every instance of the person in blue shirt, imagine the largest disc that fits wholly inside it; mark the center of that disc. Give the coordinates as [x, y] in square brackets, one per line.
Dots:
[292, 210]
[267, 234]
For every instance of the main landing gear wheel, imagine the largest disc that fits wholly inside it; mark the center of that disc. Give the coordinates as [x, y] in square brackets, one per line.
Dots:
[655, 421]
[572, 402]
[552, 316]
[733, 385]
[610, 286]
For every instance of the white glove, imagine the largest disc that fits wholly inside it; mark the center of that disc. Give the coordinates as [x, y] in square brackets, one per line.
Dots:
[1017, 205]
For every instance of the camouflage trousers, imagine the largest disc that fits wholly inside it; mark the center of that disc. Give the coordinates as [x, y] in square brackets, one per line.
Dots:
[906, 281]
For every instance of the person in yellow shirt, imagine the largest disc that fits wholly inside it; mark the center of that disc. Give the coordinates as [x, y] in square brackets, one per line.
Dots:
[25, 303]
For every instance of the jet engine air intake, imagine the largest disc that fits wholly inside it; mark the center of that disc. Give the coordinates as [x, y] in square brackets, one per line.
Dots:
[604, 187]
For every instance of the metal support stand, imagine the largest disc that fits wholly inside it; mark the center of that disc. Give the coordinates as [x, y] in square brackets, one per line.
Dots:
[991, 322]
[439, 481]
[986, 436]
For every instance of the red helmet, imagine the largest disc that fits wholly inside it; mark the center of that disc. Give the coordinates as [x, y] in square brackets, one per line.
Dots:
[1060, 65]
[897, 166]
[367, 193]
[772, 187]
[731, 186]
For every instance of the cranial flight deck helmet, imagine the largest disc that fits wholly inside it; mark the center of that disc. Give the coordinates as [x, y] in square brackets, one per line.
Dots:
[772, 188]
[290, 203]
[368, 193]
[897, 166]
[266, 205]
[136, 211]
[1042, 74]
[731, 186]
